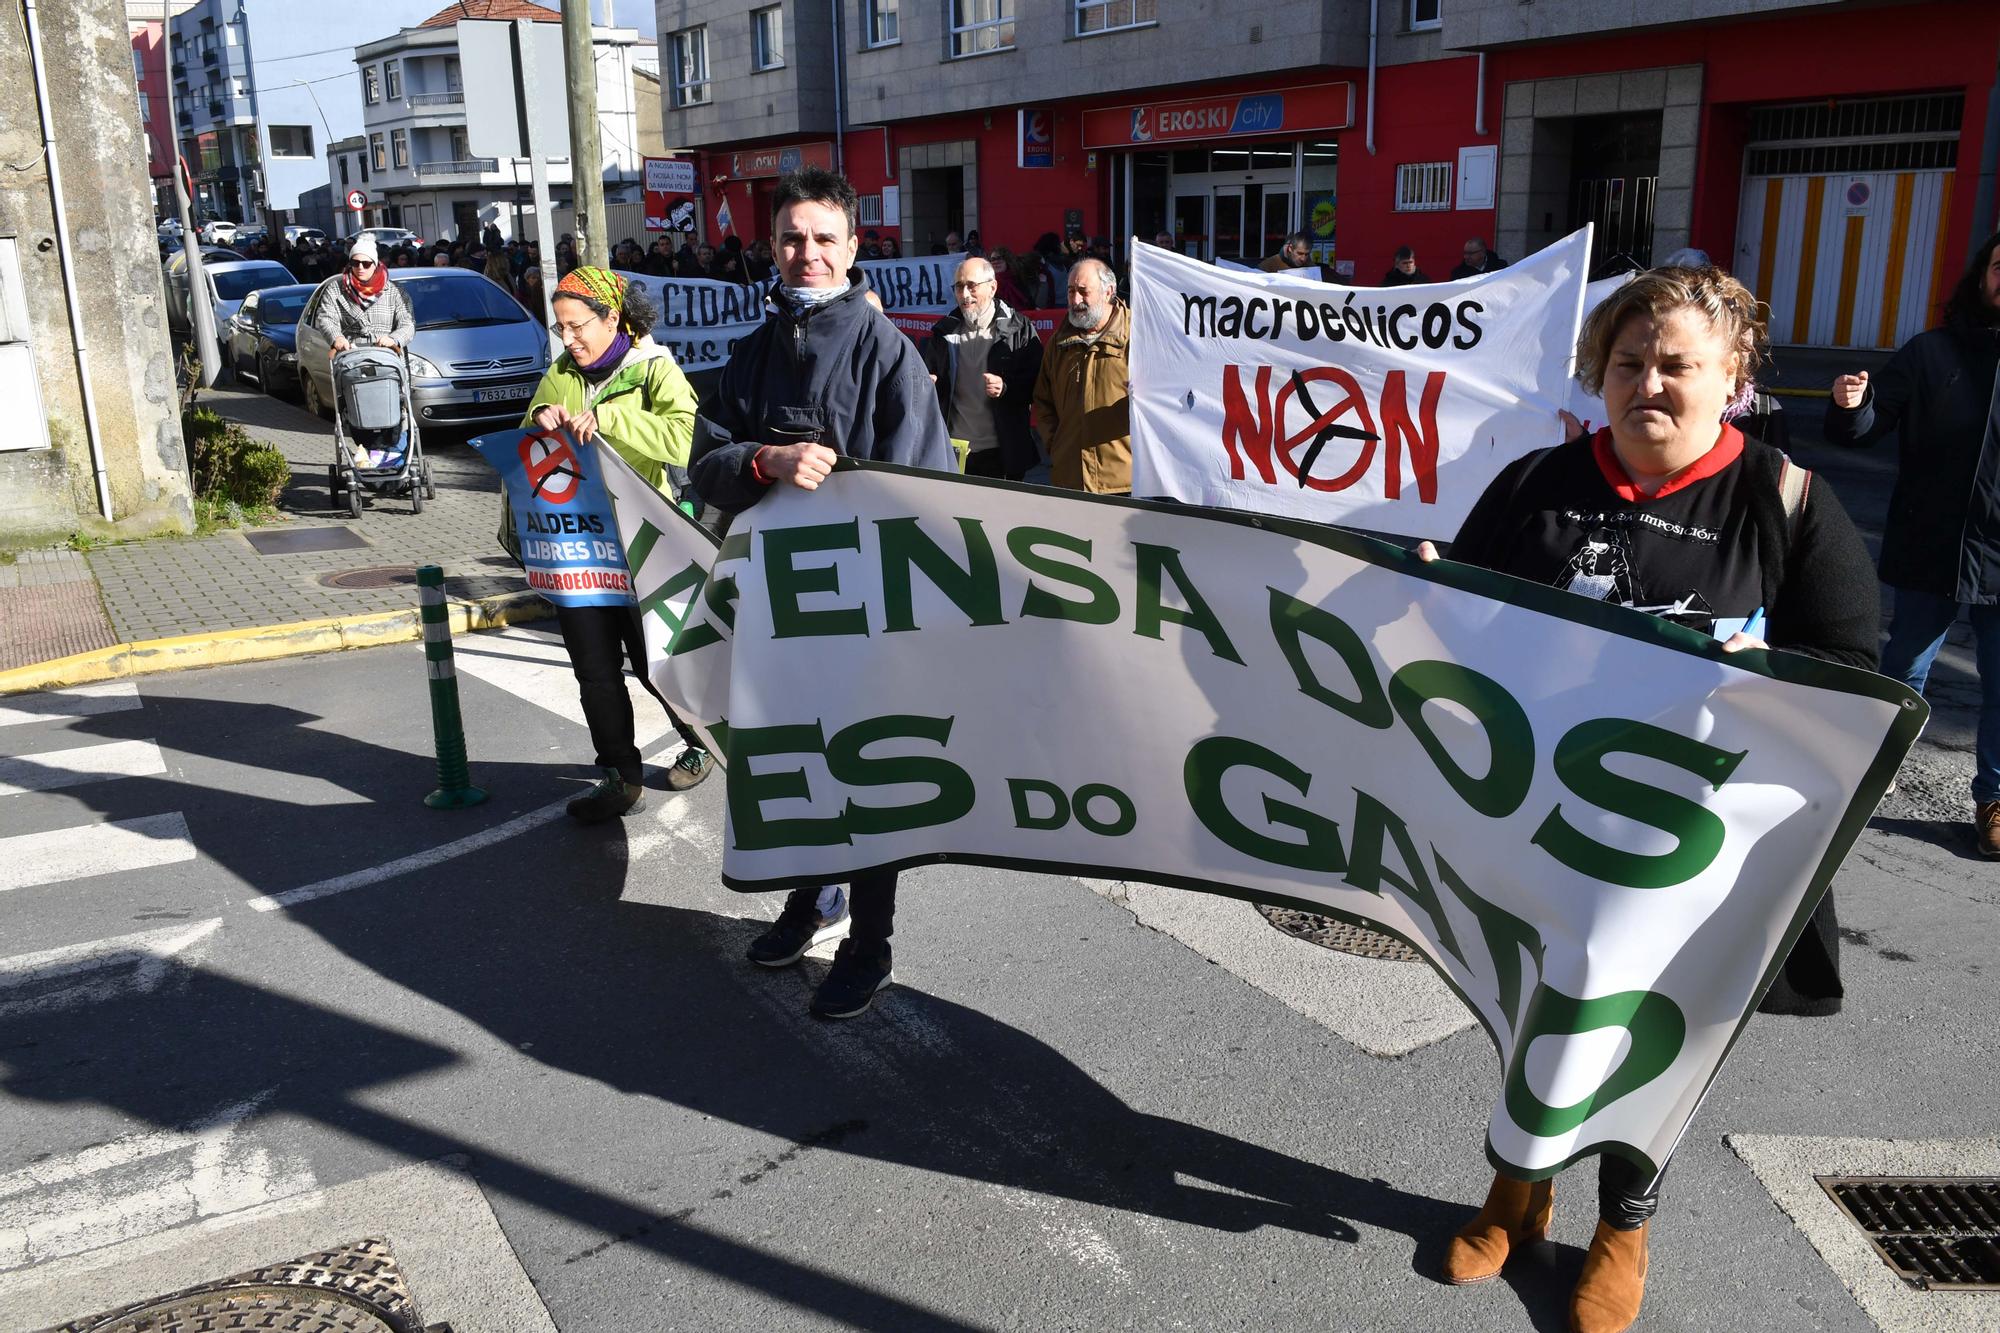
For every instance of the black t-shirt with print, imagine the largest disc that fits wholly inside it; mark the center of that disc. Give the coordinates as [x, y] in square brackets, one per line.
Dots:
[1693, 555]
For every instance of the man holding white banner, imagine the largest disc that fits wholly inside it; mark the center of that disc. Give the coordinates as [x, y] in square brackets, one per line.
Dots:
[1384, 409]
[824, 376]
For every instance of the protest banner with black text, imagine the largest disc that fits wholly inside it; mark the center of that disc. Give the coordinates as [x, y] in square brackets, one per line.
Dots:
[1600, 830]
[566, 536]
[1388, 409]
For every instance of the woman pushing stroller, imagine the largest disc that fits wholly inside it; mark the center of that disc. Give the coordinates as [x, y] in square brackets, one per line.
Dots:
[364, 306]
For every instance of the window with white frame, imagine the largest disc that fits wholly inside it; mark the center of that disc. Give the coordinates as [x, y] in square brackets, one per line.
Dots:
[392, 77]
[690, 67]
[871, 210]
[378, 152]
[1111, 15]
[291, 141]
[371, 85]
[454, 81]
[399, 146]
[1423, 187]
[1426, 14]
[239, 87]
[767, 38]
[979, 26]
[882, 28]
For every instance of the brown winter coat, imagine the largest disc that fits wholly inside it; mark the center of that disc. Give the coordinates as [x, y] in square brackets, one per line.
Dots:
[1082, 409]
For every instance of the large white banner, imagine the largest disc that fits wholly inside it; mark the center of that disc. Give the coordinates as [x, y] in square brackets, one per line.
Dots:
[1602, 832]
[701, 320]
[1388, 409]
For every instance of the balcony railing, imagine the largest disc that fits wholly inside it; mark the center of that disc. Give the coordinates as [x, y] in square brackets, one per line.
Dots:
[437, 99]
[465, 166]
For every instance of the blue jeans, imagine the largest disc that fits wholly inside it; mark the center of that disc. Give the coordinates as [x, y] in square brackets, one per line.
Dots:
[1916, 631]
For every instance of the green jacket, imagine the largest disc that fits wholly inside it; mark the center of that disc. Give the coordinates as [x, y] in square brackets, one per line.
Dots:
[645, 409]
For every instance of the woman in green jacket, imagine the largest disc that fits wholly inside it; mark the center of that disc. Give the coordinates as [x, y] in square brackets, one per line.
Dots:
[615, 381]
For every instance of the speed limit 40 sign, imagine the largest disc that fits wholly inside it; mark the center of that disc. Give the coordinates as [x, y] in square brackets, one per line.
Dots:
[357, 200]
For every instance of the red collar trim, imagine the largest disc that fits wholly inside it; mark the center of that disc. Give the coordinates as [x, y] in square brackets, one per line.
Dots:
[1728, 448]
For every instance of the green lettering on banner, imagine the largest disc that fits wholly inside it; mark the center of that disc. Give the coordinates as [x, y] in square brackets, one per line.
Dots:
[1126, 819]
[785, 582]
[657, 604]
[1508, 733]
[720, 593]
[1698, 832]
[1506, 936]
[1292, 621]
[641, 545]
[974, 589]
[1657, 1027]
[747, 791]
[1162, 562]
[844, 758]
[1020, 789]
[1212, 757]
[1373, 821]
[1101, 609]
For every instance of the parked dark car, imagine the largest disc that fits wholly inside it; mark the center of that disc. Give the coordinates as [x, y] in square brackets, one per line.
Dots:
[260, 341]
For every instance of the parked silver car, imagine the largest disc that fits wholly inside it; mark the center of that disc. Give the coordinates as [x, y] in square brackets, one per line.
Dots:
[476, 358]
[229, 281]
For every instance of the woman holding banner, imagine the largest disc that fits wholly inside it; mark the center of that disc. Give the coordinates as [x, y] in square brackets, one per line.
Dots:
[1672, 511]
[613, 380]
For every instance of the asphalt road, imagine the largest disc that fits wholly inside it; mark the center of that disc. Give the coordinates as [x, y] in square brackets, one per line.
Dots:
[1057, 1119]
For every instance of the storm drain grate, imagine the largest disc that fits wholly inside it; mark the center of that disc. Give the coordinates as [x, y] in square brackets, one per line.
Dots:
[352, 1288]
[385, 576]
[1940, 1233]
[1339, 936]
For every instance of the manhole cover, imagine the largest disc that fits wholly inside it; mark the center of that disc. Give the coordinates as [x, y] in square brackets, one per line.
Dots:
[352, 1288]
[1939, 1233]
[295, 541]
[388, 576]
[1339, 936]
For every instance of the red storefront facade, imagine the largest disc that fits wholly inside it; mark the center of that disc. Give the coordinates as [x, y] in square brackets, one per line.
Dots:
[1749, 139]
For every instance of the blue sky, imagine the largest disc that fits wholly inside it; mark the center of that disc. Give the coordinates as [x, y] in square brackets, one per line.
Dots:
[629, 13]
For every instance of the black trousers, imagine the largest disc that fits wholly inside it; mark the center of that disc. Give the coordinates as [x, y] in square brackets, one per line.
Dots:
[1626, 1196]
[984, 463]
[871, 900]
[601, 640]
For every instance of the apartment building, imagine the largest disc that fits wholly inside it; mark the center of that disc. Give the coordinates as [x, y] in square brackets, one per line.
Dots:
[1835, 153]
[261, 87]
[146, 22]
[423, 172]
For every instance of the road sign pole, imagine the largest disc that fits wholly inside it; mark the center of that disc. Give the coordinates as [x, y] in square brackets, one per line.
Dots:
[454, 789]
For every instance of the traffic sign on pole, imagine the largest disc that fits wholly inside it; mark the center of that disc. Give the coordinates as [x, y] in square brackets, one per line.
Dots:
[357, 200]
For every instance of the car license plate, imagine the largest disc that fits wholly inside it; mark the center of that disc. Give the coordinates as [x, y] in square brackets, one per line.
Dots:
[508, 394]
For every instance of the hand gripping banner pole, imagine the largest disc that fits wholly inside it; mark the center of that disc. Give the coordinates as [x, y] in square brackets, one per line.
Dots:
[455, 789]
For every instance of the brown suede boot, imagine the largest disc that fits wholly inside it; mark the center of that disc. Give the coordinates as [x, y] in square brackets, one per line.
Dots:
[1613, 1282]
[1516, 1213]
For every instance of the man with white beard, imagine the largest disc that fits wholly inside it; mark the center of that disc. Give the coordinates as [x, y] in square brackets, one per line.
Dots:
[1082, 403]
[984, 358]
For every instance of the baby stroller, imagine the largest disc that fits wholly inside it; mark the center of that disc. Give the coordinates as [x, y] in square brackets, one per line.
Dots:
[375, 442]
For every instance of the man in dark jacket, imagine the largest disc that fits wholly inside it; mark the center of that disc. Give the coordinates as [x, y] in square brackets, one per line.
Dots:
[1477, 260]
[824, 375]
[984, 358]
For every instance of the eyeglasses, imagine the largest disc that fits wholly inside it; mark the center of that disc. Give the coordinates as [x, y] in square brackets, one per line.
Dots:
[970, 286]
[562, 330]
[361, 263]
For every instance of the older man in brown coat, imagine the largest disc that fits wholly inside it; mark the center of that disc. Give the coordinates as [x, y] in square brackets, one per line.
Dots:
[1082, 406]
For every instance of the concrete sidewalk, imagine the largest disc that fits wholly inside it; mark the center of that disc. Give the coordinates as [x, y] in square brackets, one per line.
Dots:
[223, 587]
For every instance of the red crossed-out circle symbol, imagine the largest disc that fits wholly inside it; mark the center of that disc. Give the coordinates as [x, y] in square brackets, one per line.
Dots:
[1323, 426]
[550, 461]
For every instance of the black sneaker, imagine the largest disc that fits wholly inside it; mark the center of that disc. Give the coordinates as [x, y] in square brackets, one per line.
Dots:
[610, 798]
[690, 768]
[852, 982]
[793, 933]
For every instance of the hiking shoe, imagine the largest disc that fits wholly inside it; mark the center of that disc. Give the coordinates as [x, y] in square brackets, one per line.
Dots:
[610, 798]
[852, 982]
[793, 933]
[1986, 828]
[690, 768]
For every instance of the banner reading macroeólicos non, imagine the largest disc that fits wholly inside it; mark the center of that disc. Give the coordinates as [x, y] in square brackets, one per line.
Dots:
[1388, 409]
[1601, 831]
[566, 536]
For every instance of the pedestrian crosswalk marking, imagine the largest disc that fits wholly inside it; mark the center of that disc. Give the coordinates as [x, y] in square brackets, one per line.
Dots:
[56, 769]
[535, 669]
[60, 855]
[112, 696]
[96, 972]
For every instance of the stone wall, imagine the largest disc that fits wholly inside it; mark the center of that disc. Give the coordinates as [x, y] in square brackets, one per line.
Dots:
[101, 147]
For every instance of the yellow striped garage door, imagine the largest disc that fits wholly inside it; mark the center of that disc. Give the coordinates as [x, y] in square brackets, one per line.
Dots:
[1848, 260]
[1844, 210]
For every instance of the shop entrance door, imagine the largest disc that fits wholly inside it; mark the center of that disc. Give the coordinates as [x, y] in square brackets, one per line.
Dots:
[1228, 213]
[1191, 225]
